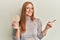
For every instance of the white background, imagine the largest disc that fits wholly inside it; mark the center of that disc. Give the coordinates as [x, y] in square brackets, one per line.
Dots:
[46, 10]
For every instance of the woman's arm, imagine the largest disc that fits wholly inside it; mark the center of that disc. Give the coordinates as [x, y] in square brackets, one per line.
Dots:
[44, 32]
[15, 26]
[48, 26]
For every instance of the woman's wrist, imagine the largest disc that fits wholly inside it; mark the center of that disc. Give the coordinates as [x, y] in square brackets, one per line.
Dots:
[45, 31]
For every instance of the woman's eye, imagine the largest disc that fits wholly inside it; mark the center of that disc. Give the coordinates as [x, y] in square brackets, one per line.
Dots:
[27, 8]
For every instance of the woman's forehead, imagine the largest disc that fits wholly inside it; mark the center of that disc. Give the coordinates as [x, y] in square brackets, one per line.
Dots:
[29, 5]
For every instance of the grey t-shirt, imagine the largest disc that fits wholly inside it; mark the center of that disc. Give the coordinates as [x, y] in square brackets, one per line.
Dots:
[33, 30]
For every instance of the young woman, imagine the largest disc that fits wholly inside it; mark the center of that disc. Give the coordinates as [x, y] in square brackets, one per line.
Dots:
[27, 27]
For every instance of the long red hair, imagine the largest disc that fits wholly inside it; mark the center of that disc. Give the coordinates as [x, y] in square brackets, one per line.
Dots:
[22, 22]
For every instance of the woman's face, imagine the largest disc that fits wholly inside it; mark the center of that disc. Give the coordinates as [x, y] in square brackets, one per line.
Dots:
[29, 10]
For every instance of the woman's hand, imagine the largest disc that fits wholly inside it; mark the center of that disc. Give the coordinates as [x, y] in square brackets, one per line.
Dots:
[49, 24]
[15, 23]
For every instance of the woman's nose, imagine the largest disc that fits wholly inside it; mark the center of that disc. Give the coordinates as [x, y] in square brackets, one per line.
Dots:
[30, 9]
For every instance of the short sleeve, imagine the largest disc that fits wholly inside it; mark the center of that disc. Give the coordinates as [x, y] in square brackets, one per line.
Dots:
[39, 29]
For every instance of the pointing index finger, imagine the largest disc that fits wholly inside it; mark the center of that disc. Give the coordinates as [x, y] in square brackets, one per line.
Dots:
[53, 21]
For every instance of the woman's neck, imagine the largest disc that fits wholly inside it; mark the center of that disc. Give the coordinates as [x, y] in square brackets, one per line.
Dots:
[28, 17]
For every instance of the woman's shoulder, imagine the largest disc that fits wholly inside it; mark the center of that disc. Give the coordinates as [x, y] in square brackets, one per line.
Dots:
[37, 19]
